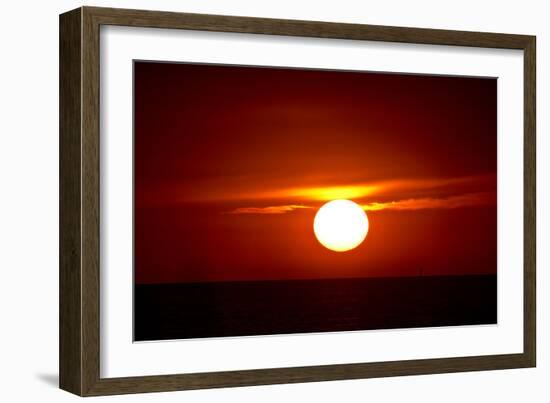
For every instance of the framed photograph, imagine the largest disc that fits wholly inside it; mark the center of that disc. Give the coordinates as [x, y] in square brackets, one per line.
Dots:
[249, 201]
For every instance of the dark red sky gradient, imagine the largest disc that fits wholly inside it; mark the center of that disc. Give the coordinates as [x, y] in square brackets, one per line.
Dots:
[214, 142]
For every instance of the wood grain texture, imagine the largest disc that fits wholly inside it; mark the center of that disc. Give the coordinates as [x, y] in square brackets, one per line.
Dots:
[70, 313]
[79, 201]
[530, 203]
[90, 202]
[221, 23]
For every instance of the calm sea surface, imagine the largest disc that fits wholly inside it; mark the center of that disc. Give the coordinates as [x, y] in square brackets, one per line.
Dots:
[218, 309]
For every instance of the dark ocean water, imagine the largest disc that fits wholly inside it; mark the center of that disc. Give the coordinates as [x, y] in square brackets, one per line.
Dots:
[219, 309]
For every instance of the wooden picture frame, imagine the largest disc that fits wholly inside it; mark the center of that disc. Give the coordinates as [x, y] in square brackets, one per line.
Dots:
[79, 346]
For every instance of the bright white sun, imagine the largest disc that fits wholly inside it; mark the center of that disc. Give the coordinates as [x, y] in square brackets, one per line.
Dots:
[341, 225]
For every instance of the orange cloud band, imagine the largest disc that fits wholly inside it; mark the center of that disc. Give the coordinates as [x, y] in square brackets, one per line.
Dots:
[457, 201]
[465, 200]
[354, 191]
[269, 210]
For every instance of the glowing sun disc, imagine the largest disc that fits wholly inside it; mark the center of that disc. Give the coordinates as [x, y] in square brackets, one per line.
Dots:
[341, 225]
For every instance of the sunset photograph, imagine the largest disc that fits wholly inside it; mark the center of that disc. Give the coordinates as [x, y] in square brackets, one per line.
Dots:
[274, 200]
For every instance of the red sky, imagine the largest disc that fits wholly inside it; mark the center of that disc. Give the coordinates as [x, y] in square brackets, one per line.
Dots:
[231, 164]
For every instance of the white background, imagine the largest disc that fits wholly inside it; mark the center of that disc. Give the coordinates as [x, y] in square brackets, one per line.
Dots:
[29, 203]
